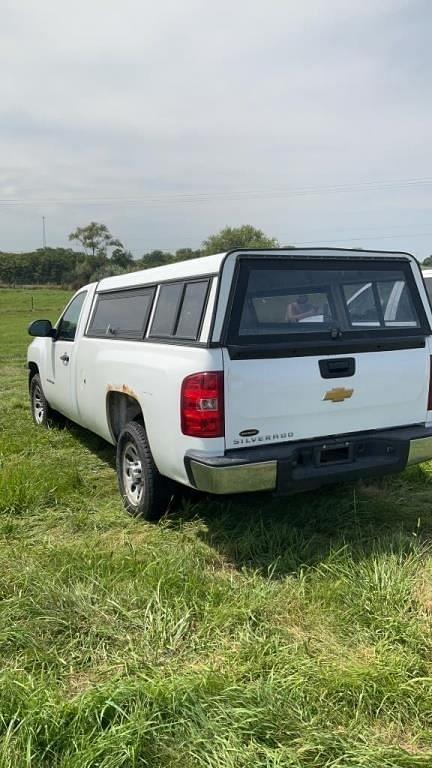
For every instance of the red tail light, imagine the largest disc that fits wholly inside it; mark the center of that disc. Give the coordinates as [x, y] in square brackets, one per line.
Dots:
[202, 405]
[430, 387]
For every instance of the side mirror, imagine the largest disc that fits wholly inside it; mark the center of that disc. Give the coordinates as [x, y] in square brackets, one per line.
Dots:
[41, 328]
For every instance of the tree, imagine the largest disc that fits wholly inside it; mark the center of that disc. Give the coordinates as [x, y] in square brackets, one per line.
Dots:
[83, 272]
[95, 238]
[427, 262]
[238, 237]
[184, 254]
[155, 259]
[121, 258]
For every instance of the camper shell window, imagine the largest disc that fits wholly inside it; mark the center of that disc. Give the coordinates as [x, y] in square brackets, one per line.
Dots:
[179, 310]
[274, 301]
[122, 314]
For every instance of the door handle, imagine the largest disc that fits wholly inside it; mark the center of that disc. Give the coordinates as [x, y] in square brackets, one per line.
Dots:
[64, 358]
[337, 368]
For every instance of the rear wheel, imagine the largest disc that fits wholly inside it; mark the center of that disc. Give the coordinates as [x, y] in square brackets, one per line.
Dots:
[145, 492]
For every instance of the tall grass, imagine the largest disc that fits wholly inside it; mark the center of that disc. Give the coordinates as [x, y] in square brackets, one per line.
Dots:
[235, 633]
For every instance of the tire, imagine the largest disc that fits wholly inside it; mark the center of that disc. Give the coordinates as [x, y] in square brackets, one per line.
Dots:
[41, 412]
[144, 491]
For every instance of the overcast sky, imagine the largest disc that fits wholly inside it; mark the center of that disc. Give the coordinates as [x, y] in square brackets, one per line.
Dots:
[168, 120]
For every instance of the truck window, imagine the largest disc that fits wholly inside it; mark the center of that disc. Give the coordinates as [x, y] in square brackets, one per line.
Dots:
[381, 302]
[67, 325]
[166, 309]
[179, 310]
[297, 298]
[280, 307]
[361, 303]
[191, 311]
[122, 314]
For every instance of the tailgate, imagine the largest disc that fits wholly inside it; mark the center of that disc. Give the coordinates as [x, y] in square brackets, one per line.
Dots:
[288, 399]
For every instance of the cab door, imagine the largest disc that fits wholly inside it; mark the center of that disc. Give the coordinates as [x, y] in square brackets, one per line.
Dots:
[60, 385]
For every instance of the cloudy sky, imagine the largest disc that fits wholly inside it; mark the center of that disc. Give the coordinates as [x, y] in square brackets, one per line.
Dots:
[169, 120]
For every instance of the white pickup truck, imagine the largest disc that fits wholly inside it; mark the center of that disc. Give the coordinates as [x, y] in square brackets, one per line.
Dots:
[250, 370]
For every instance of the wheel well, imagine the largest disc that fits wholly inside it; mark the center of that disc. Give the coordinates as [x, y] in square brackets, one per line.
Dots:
[122, 408]
[33, 370]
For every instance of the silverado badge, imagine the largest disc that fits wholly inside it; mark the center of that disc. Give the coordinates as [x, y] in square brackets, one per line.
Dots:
[338, 395]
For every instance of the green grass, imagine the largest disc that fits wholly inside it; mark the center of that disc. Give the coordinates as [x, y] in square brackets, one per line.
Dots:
[240, 633]
[18, 308]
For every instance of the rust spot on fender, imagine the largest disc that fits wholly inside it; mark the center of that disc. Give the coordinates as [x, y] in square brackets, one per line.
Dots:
[124, 389]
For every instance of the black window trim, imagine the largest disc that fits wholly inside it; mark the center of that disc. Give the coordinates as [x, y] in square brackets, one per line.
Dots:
[232, 339]
[60, 320]
[119, 292]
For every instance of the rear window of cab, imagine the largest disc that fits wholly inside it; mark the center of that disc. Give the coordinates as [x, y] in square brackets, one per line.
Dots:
[125, 314]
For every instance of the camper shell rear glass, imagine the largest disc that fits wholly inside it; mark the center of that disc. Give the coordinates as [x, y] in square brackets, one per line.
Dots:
[291, 300]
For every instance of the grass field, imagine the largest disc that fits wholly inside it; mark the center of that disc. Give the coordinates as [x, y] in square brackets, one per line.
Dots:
[232, 635]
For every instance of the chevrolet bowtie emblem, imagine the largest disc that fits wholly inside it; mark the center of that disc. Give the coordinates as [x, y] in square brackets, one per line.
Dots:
[338, 395]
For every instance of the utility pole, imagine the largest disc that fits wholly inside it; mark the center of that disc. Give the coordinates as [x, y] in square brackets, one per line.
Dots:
[43, 233]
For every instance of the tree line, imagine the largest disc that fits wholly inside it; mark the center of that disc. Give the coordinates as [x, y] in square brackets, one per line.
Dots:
[101, 255]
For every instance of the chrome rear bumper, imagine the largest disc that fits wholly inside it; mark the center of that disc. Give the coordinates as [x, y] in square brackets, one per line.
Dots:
[420, 450]
[241, 478]
[296, 466]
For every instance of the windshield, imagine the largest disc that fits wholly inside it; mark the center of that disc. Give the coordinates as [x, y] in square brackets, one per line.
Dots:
[293, 299]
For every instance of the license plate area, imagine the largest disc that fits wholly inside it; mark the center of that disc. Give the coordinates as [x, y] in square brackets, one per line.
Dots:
[311, 464]
[328, 455]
